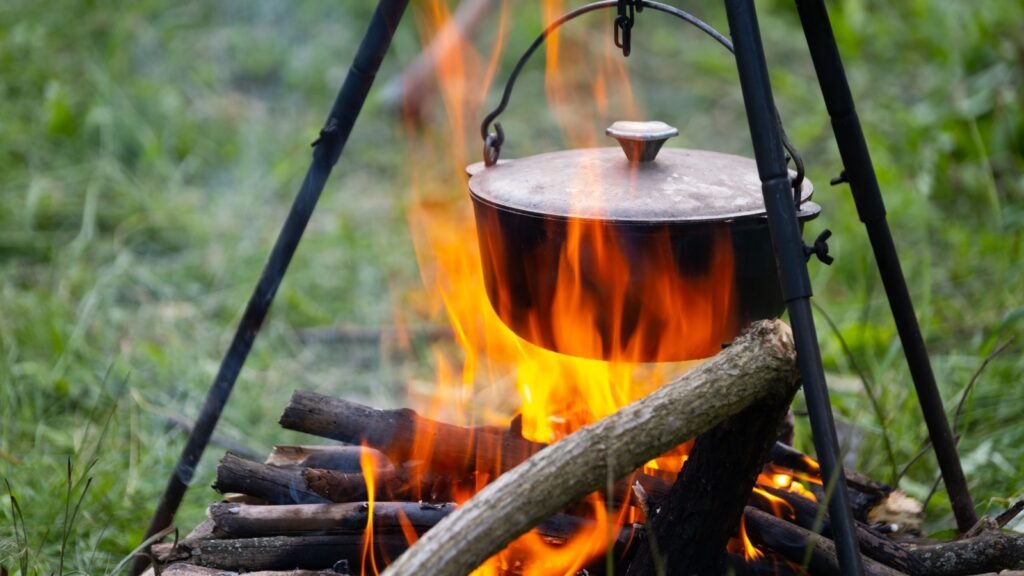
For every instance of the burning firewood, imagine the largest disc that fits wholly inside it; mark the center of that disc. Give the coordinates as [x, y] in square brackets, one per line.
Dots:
[757, 366]
[793, 542]
[303, 531]
[701, 512]
[397, 433]
[805, 513]
[246, 521]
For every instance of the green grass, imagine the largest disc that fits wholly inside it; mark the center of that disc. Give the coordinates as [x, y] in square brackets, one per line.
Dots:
[149, 151]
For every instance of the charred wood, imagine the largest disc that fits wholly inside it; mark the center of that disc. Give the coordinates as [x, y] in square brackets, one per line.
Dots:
[801, 546]
[809, 515]
[691, 526]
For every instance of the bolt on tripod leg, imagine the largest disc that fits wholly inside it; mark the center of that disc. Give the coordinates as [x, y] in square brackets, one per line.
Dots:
[789, 256]
[860, 173]
[327, 150]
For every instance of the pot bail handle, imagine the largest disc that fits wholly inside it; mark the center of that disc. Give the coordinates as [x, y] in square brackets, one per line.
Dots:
[494, 140]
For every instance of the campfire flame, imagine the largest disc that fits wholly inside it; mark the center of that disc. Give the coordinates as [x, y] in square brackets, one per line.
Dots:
[494, 375]
[368, 464]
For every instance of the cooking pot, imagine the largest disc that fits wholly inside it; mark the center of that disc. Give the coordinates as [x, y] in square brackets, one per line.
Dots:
[639, 254]
[634, 253]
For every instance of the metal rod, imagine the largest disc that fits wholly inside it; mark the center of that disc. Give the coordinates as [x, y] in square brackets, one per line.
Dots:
[789, 255]
[327, 150]
[868, 198]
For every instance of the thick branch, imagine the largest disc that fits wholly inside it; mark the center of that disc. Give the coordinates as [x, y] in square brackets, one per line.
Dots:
[398, 433]
[989, 552]
[758, 366]
[692, 525]
[242, 521]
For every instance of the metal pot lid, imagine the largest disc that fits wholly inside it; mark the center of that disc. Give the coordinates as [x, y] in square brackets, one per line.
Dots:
[644, 185]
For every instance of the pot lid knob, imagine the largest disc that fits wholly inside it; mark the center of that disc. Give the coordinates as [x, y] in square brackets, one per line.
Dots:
[641, 141]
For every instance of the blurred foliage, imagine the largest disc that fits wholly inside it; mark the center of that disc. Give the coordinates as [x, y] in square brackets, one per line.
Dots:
[149, 149]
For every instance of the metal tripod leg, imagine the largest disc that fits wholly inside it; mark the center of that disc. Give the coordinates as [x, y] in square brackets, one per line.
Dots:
[789, 255]
[327, 150]
[853, 148]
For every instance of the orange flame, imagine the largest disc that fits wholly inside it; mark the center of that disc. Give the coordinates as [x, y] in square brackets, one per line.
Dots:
[750, 552]
[368, 464]
[554, 394]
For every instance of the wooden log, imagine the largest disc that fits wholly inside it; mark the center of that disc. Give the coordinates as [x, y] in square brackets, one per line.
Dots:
[244, 521]
[987, 552]
[758, 366]
[282, 552]
[398, 433]
[184, 569]
[320, 551]
[340, 458]
[247, 521]
[793, 542]
[691, 526]
[268, 483]
[805, 513]
[404, 483]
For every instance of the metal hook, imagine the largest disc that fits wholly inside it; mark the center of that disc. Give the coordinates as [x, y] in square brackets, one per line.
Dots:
[623, 26]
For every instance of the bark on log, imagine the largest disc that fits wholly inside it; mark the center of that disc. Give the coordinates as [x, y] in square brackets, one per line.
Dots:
[268, 483]
[405, 483]
[988, 552]
[183, 569]
[690, 528]
[792, 542]
[340, 458]
[282, 552]
[758, 366]
[243, 521]
[397, 433]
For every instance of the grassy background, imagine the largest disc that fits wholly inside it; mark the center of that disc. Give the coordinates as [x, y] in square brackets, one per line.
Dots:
[149, 151]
